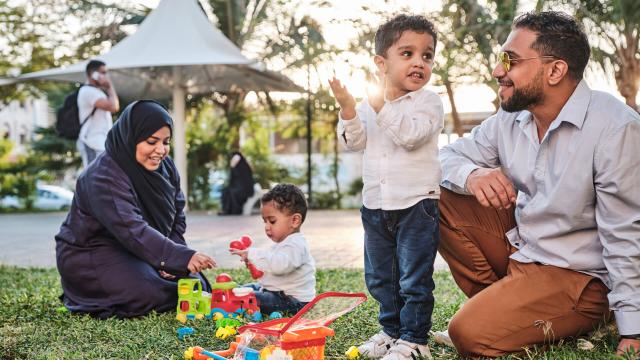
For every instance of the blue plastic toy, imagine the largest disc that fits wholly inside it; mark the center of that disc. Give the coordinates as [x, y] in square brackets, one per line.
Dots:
[184, 331]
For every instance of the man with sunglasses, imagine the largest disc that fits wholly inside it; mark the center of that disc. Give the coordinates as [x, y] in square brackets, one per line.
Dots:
[549, 242]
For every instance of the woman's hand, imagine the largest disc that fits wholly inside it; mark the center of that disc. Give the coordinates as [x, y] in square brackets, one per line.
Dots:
[199, 262]
[242, 253]
[166, 275]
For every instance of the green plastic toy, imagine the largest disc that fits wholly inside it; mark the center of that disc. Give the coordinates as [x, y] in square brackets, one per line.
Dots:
[192, 302]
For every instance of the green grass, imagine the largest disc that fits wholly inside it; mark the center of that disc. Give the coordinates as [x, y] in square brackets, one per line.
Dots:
[31, 328]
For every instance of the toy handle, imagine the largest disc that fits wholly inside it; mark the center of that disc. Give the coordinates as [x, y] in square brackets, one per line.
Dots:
[255, 273]
[243, 244]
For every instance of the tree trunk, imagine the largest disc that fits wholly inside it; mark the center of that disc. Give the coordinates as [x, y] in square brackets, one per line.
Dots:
[457, 124]
[628, 73]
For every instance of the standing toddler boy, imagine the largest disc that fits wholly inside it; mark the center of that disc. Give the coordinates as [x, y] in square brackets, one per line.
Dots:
[398, 130]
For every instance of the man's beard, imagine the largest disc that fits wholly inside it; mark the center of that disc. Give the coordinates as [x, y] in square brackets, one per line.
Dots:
[525, 97]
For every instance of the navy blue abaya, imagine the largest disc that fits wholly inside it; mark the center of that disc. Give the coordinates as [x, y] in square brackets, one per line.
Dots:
[108, 254]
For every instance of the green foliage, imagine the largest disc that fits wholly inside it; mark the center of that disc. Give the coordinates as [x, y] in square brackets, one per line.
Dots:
[52, 154]
[355, 187]
[256, 149]
[616, 44]
[31, 328]
[208, 139]
[17, 177]
[49, 157]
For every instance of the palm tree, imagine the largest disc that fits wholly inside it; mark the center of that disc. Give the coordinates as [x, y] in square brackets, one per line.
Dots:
[255, 27]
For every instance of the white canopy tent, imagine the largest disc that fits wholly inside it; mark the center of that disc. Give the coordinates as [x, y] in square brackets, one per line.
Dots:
[175, 51]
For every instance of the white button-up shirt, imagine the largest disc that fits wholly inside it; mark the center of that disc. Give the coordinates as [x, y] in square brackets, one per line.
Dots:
[400, 144]
[578, 203]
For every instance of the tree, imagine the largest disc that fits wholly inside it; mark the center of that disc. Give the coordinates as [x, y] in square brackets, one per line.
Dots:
[616, 28]
[257, 29]
[31, 44]
[479, 31]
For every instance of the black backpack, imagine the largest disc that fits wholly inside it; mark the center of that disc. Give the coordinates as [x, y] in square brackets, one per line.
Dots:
[68, 123]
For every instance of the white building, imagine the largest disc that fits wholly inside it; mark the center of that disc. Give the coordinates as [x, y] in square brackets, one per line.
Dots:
[18, 120]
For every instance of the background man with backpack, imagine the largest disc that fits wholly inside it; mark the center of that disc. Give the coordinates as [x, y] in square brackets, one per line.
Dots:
[97, 100]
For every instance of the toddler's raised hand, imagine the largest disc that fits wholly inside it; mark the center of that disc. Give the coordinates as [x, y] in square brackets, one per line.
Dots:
[376, 96]
[344, 98]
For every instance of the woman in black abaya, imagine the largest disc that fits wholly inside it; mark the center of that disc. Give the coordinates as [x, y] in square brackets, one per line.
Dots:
[240, 186]
[121, 249]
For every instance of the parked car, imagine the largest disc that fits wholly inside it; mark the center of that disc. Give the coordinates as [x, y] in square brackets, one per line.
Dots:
[48, 197]
[51, 197]
[10, 202]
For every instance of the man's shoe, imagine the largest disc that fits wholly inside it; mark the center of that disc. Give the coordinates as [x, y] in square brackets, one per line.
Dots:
[442, 338]
[377, 346]
[404, 350]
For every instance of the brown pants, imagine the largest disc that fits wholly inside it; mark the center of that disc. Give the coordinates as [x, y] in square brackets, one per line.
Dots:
[512, 305]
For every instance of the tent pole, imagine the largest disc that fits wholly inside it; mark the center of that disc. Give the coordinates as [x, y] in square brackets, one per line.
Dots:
[179, 130]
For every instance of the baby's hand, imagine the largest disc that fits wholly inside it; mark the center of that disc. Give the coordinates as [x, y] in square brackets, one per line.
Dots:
[242, 253]
[344, 98]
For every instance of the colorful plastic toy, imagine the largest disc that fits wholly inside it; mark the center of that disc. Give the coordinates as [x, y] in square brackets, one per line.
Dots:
[184, 331]
[225, 332]
[278, 355]
[232, 301]
[193, 303]
[242, 244]
[226, 300]
[352, 353]
[198, 353]
[228, 322]
[275, 315]
[303, 336]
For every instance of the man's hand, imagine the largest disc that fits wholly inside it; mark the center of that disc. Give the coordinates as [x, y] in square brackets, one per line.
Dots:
[199, 262]
[492, 188]
[344, 98]
[105, 82]
[629, 347]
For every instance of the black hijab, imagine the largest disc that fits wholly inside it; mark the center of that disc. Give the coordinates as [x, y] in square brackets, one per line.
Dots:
[156, 190]
[241, 175]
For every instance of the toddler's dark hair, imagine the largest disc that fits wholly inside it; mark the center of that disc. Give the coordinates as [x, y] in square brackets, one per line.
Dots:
[391, 31]
[287, 197]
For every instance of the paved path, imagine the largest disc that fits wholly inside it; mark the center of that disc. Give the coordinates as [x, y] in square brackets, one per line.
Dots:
[335, 237]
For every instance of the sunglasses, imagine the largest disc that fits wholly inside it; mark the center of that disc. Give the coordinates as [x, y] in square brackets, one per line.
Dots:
[507, 61]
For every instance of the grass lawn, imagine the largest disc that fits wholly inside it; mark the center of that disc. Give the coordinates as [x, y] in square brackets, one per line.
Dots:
[31, 328]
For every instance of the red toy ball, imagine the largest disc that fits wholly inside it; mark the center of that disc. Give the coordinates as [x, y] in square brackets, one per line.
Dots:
[246, 241]
[223, 278]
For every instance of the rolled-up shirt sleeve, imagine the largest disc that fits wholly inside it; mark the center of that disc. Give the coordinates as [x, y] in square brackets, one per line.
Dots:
[479, 150]
[352, 133]
[114, 206]
[617, 183]
[410, 131]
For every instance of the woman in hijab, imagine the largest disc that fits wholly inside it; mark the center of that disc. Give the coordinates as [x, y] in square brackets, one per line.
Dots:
[240, 186]
[121, 250]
